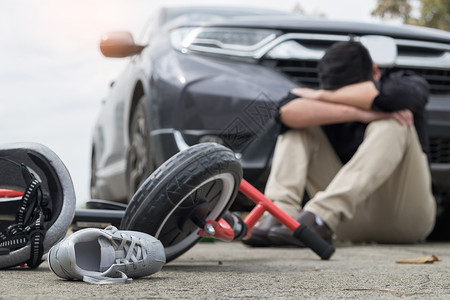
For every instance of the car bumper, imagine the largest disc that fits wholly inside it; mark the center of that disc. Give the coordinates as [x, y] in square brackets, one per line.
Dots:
[255, 159]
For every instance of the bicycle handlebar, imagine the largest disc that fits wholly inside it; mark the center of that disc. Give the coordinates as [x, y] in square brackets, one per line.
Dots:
[315, 242]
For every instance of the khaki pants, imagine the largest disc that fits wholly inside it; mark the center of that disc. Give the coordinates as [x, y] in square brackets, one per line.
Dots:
[382, 194]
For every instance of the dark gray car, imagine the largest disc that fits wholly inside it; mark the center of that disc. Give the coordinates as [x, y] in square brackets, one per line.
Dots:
[200, 74]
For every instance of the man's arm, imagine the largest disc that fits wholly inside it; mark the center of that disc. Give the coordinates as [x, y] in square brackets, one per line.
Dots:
[398, 91]
[402, 90]
[302, 112]
[360, 95]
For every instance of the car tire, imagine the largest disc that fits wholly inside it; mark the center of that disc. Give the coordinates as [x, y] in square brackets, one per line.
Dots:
[93, 182]
[139, 157]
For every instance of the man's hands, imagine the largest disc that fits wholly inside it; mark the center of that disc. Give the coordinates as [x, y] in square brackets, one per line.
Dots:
[403, 117]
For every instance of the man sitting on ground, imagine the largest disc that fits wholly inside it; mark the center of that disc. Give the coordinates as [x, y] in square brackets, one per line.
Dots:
[359, 147]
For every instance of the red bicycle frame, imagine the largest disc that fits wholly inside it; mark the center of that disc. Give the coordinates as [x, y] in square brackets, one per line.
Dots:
[223, 231]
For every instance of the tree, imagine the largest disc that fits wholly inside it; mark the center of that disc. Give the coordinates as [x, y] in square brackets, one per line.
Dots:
[436, 14]
[432, 13]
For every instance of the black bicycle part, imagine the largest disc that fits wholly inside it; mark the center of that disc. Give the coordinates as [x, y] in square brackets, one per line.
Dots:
[96, 218]
[237, 223]
[315, 242]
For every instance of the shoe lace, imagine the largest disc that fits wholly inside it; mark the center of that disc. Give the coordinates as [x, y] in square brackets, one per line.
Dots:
[107, 280]
[128, 251]
[130, 246]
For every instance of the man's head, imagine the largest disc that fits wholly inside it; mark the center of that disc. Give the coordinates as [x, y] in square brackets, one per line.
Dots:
[345, 63]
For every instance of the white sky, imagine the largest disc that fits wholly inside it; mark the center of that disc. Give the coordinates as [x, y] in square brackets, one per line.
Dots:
[53, 77]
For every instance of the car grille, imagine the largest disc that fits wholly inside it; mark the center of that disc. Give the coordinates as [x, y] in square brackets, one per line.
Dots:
[304, 73]
[440, 150]
[430, 60]
[439, 80]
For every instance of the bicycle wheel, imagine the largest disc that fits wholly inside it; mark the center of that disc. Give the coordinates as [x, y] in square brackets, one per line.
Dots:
[195, 185]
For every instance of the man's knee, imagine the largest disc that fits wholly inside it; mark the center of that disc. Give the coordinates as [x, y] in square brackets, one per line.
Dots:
[298, 136]
[389, 127]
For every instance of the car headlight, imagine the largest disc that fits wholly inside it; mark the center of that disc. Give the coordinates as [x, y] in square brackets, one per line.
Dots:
[221, 40]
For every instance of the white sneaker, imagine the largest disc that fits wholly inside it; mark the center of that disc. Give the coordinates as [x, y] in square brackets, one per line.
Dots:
[105, 256]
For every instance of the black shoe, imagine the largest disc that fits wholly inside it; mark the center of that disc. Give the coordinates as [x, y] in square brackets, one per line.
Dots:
[259, 234]
[282, 236]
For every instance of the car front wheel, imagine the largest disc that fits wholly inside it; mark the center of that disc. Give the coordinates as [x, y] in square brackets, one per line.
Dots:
[93, 184]
[139, 159]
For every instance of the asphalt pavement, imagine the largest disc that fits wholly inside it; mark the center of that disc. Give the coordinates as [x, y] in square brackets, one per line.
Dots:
[219, 270]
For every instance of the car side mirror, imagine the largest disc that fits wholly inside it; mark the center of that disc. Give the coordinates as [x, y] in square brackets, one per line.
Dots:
[119, 44]
[382, 49]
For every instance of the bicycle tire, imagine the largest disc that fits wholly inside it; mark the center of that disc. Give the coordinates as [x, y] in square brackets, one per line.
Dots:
[200, 181]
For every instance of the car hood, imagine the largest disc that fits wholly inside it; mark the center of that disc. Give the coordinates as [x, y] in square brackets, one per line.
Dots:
[298, 23]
